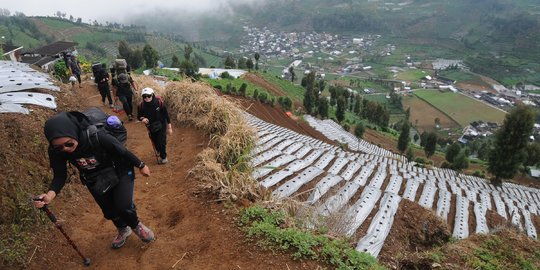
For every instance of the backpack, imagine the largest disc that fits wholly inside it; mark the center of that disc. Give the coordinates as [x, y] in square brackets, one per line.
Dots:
[96, 67]
[120, 65]
[99, 121]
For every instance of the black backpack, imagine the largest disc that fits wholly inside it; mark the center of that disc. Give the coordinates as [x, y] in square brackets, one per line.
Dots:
[96, 121]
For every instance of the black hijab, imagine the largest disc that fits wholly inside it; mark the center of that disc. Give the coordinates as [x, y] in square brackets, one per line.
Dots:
[61, 125]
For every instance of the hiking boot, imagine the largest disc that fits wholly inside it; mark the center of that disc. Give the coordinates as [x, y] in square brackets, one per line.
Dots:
[163, 161]
[144, 233]
[121, 238]
[130, 118]
[110, 105]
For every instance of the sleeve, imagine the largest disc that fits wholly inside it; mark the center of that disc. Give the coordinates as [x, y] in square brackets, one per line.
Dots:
[59, 167]
[115, 148]
[165, 114]
[140, 111]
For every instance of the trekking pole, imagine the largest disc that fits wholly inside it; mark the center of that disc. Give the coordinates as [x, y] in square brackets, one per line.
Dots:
[52, 217]
[153, 145]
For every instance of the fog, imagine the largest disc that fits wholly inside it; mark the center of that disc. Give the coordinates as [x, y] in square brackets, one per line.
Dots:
[117, 10]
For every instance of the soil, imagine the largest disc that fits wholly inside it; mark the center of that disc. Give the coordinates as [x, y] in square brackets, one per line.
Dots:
[193, 229]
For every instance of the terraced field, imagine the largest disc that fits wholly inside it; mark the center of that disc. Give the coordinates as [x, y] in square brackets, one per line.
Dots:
[367, 186]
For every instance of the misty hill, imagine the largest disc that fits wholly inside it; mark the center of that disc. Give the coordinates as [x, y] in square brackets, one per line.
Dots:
[97, 41]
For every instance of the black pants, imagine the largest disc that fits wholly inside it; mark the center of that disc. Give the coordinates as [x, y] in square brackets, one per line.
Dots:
[127, 103]
[160, 141]
[117, 204]
[78, 76]
[105, 92]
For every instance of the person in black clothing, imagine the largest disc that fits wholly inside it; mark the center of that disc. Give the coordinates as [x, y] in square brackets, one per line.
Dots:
[68, 142]
[123, 89]
[153, 113]
[75, 68]
[102, 78]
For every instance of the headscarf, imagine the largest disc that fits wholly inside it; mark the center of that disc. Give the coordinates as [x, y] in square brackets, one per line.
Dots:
[61, 125]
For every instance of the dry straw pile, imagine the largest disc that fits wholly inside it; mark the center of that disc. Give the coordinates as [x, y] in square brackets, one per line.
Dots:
[224, 167]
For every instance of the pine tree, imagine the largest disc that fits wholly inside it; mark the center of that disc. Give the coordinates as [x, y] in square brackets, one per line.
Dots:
[452, 152]
[404, 137]
[510, 141]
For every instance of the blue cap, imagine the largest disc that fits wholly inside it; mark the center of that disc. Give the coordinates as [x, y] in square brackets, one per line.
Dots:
[114, 121]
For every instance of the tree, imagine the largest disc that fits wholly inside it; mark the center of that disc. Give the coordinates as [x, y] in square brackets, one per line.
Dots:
[249, 64]
[430, 144]
[243, 89]
[136, 59]
[229, 62]
[309, 97]
[510, 142]
[404, 137]
[340, 110]
[408, 113]
[257, 56]
[175, 61]
[359, 130]
[460, 161]
[323, 108]
[242, 63]
[150, 56]
[452, 151]
[124, 51]
[533, 154]
[409, 154]
[188, 66]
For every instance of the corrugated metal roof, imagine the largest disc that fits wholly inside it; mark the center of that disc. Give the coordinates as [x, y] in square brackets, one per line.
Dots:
[55, 48]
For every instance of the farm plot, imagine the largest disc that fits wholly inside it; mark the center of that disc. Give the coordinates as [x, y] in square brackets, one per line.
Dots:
[423, 115]
[364, 187]
[461, 108]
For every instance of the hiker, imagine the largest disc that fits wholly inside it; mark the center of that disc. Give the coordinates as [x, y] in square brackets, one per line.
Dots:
[106, 163]
[153, 113]
[102, 79]
[123, 87]
[75, 68]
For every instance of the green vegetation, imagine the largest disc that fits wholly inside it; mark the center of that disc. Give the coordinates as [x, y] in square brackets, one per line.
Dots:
[295, 92]
[412, 75]
[492, 254]
[57, 24]
[461, 108]
[272, 230]
[511, 141]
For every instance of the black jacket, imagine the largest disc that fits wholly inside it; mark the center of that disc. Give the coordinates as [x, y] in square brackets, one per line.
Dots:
[154, 110]
[85, 158]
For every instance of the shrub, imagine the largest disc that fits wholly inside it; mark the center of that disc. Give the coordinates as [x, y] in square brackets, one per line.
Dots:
[225, 75]
[256, 94]
[479, 173]
[346, 127]
[217, 86]
[263, 97]
[285, 103]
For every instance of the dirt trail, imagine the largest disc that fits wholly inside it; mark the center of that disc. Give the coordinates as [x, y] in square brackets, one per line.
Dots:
[193, 230]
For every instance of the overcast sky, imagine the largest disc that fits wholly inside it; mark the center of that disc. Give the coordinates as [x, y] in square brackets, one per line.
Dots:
[108, 10]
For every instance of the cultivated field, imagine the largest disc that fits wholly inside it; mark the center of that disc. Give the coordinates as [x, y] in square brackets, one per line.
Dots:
[461, 108]
[423, 115]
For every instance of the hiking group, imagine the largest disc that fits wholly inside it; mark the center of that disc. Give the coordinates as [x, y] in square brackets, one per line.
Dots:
[94, 142]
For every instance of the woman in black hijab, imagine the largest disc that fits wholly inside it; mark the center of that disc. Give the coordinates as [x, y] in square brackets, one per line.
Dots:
[108, 163]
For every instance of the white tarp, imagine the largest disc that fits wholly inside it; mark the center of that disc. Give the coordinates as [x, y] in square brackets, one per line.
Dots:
[39, 99]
